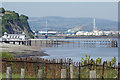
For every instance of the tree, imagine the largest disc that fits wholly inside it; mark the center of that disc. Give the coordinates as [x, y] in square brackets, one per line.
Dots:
[22, 17]
[2, 10]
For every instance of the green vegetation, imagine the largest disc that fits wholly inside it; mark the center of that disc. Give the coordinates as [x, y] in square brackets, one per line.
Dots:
[2, 10]
[109, 72]
[17, 76]
[98, 61]
[6, 55]
[54, 70]
[13, 23]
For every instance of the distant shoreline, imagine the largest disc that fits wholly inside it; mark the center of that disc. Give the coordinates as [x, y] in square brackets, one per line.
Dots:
[78, 37]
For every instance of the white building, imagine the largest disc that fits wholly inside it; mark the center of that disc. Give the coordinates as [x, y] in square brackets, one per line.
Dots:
[80, 33]
[14, 37]
[47, 32]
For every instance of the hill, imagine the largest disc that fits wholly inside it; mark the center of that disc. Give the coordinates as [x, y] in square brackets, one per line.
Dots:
[64, 23]
[13, 23]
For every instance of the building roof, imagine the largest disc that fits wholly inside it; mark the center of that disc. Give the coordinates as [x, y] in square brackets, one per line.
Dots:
[5, 33]
[16, 34]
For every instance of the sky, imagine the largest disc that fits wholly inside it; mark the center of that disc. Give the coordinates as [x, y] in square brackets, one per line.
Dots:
[60, 0]
[103, 10]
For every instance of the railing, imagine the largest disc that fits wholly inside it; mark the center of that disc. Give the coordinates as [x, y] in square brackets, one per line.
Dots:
[62, 68]
[88, 43]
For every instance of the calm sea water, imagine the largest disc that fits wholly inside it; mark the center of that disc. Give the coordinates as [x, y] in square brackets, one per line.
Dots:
[76, 51]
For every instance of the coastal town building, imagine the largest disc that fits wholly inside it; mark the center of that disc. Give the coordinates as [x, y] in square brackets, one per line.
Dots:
[76, 31]
[96, 32]
[47, 32]
[51, 33]
[14, 37]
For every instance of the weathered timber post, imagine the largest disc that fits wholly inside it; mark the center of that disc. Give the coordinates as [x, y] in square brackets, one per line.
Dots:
[46, 42]
[57, 43]
[71, 71]
[73, 43]
[114, 43]
[40, 73]
[46, 62]
[103, 70]
[61, 61]
[63, 73]
[30, 42]
[36, 43]
[118, 71]
[93, 75]
[69, 67]
[22, 73]
[9, 73]
[79, 70]
[26, 42]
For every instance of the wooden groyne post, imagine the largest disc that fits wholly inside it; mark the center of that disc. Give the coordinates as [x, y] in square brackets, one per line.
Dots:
[118, 71]
[63, 73]
[93, 75]
[71, 71]
[79, 70]
[22, 73]
[40, 73]
[9, 73]
[103, 70]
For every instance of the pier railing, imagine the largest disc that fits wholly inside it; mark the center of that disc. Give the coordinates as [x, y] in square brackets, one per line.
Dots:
[89, 43]
[62, 68]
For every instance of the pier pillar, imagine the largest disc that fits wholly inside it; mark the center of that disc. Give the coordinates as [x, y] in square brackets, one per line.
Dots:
[11, 42]
[29, 42]
[17, 43]
[114, 43]
[14, 42]
[26, 43]
[21, 42]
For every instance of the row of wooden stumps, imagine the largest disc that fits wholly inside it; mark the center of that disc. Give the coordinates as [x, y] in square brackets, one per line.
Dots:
[118, 71]
[93, 73]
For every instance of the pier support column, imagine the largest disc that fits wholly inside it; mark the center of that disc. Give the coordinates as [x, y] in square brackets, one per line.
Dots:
[17, 43]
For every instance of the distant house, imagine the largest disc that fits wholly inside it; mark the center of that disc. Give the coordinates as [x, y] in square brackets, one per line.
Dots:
[14, 37]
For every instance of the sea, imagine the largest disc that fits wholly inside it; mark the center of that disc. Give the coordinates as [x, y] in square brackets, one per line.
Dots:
[77, 49]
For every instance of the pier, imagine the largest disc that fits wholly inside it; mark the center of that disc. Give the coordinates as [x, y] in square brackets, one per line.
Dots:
[21, 39]
[69, 42]
[75, 42]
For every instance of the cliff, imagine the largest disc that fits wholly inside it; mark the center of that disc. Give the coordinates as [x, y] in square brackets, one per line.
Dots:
[13, 23]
